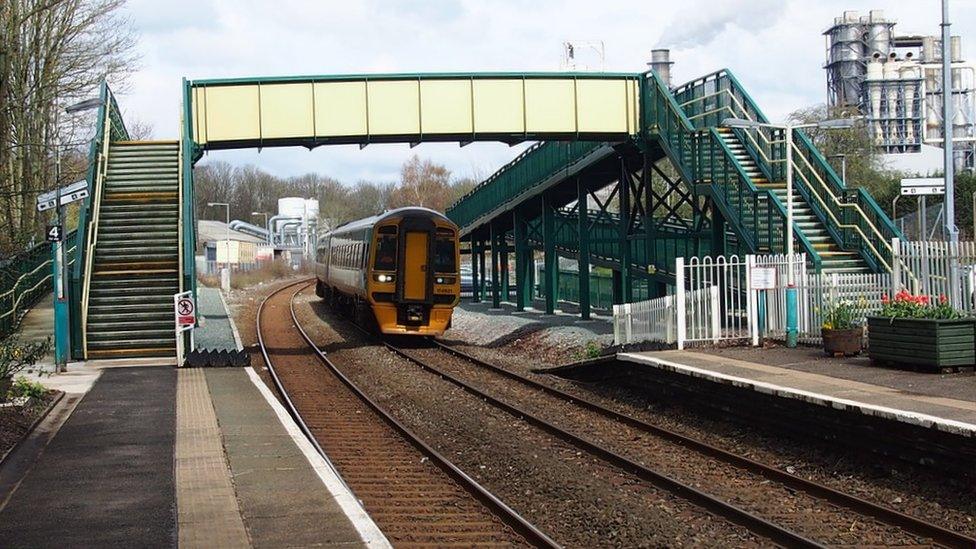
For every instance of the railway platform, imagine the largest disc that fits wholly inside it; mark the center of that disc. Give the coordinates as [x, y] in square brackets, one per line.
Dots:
[946, 403]
[154, 456]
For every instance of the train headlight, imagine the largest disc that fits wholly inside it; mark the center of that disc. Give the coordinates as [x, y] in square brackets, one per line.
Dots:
[445, 280]
[383, 278]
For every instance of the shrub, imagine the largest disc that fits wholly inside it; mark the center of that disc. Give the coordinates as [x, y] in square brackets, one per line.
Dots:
[592, 349]
[906, 305]
[16, 356]
[23, 387]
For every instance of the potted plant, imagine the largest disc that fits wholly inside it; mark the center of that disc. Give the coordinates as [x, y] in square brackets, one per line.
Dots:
[912, 330]
[841, 329]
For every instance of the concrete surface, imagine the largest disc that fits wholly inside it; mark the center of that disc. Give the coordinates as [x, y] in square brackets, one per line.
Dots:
[216, 331]
[948, 414]
[106, 478]
[208, 512]
[283, 501]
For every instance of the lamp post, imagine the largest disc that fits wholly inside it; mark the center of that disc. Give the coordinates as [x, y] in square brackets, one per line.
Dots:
[792, 332]
[227, 235]
[62, 327]
[843, 167]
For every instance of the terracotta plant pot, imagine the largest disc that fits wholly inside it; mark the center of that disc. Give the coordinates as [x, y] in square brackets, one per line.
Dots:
[842, 342]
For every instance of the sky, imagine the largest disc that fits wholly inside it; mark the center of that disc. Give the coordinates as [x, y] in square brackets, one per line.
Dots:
[776, 48]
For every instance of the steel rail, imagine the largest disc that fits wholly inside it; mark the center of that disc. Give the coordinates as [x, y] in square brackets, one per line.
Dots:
[890, 516]
[500, 509]
[279, 386]
[736, 515]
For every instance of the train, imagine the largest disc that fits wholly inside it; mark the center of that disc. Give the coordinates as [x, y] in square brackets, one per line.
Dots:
[397, 272]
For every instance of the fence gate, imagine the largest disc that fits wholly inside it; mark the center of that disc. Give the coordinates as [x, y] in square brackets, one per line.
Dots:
[712, 302]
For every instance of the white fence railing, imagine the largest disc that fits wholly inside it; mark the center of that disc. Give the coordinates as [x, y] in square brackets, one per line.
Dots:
[714, 299]
[937, 269]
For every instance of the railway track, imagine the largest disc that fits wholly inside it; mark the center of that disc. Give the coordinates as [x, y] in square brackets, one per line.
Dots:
[840, 518]
[415, 495]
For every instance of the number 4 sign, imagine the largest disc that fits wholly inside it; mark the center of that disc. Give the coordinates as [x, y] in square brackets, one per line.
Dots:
[54, 233]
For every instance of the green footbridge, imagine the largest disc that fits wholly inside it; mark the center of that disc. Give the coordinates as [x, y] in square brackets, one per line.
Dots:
[627, 175]
[682, 186]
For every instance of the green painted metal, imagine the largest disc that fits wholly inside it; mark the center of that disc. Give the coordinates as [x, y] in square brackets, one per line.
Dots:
[583, 260]
[497, 242]
[549, 249]
[379, 77]
[117, 132]
[710, 99]
[24, 279]
[522, 178]
[523, 261]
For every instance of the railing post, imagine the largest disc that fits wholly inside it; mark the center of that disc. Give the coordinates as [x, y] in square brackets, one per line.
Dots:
[751, 302]
[895, 265]
[628, 312]
[679, 296]
[715, 313]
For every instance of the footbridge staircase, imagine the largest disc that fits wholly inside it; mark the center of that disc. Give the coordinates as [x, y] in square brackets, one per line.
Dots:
[683, 186]
[131, 238]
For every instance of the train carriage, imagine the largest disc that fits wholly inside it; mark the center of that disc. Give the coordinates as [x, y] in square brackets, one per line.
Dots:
[398, 269]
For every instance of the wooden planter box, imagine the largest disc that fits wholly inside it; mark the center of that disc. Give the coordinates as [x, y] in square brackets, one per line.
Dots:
[934, 344]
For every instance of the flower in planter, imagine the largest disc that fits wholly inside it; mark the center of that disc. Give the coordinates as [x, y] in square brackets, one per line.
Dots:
[840, 315]
[906, 305]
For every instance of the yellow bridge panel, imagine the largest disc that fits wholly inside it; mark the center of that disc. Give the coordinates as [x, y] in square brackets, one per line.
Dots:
[340, 109]
[243, 113]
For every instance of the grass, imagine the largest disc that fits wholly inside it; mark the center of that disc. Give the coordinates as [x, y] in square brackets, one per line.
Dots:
[270, 270]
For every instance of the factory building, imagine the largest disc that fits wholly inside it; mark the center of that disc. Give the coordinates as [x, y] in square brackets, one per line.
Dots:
[895, 81]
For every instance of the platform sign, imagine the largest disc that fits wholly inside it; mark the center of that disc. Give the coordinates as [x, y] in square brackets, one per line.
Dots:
[54, 233]
[763, 278]
[922, 186]
[184, 309]
[72, 193]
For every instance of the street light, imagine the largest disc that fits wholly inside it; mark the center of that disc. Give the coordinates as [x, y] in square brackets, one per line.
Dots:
[843, 167]
[62, 326]
[792, 333]
[227, 234]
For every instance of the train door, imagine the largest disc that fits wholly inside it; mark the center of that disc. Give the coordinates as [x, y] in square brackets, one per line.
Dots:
[415, 266]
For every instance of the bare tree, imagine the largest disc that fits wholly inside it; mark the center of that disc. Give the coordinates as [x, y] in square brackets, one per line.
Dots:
[52, 53]
[423, 183]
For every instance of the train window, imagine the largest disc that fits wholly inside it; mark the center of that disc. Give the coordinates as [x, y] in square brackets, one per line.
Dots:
[445, 256]
[386, 251]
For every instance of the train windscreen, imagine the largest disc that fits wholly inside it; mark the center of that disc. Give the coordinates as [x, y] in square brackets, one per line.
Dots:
[445, 256]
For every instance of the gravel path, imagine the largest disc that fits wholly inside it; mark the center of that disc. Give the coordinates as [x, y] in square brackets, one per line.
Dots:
[948, 502]
[577, 499]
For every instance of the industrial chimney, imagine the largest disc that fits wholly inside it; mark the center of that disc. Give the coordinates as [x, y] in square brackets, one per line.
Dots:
[661, 64]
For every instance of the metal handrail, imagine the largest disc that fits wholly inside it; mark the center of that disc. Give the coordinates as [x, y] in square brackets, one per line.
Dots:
[100, 171]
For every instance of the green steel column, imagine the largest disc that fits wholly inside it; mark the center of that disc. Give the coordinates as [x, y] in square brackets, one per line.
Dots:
[523, 262]
[584, 250]
[495, 248]
[484, 271]
[627, 283]
[617, 288]
[503, 266]
[551, 271]
[718, 233]
[475, 294]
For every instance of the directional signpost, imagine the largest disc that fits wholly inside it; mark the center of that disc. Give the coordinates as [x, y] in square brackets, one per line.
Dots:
[921, 187]
[72, 193]
[58, 198]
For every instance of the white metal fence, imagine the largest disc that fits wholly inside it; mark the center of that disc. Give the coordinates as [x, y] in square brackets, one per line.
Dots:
[714, 298]
[936, 269]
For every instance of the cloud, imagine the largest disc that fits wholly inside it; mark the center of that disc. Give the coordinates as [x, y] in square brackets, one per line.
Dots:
[698, 25]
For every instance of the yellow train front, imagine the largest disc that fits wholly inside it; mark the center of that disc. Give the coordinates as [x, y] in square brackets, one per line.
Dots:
[398, 269]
